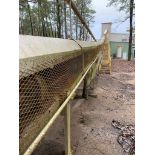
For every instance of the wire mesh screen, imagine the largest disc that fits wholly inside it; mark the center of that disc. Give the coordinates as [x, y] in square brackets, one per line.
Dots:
[45, 82]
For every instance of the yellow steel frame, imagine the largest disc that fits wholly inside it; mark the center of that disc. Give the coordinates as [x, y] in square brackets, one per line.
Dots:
[66, 105]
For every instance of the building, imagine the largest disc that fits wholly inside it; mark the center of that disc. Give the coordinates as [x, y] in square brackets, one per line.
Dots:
[119, 42]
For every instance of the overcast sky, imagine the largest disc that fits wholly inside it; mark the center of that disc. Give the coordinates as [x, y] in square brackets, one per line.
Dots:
[107, 14]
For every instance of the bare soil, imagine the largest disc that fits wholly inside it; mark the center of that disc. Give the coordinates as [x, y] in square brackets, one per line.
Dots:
[91, 129]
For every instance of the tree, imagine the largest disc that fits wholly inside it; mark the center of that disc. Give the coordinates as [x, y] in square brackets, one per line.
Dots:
[52, 18]
[128, 7]
[131, 30]
[87, 12]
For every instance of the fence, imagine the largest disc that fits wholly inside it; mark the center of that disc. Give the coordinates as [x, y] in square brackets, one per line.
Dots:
[51, 69]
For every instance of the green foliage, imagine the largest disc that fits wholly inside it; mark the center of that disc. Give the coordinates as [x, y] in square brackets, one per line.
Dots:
[46, 18]
[123, 6]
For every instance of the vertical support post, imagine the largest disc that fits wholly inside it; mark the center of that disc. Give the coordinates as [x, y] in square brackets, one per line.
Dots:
[67, 130]
[85, 90]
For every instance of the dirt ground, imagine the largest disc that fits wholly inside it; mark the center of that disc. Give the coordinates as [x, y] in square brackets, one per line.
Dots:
[91, 129]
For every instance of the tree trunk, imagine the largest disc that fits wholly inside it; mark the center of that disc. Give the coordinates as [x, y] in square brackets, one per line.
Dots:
[82, 26]
[43, 27]
[76, 28]
[80, 37]
[130, 37]
[66, 35]
[62, 22]
[58, 19]
[42, 19]
[51, 28]
[83, 33]
[21, 22]
[48, 33]
[29, 11]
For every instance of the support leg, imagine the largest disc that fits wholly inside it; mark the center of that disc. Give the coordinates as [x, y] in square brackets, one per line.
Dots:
[85, 90]
[67, 130]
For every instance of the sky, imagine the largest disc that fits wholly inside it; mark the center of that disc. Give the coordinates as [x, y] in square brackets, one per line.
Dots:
[107, 14]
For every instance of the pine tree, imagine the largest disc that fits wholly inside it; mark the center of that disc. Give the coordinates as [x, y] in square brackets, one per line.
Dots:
[52, 18]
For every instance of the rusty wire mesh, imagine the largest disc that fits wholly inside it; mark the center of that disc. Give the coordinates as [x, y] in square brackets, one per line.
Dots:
[44, 84]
